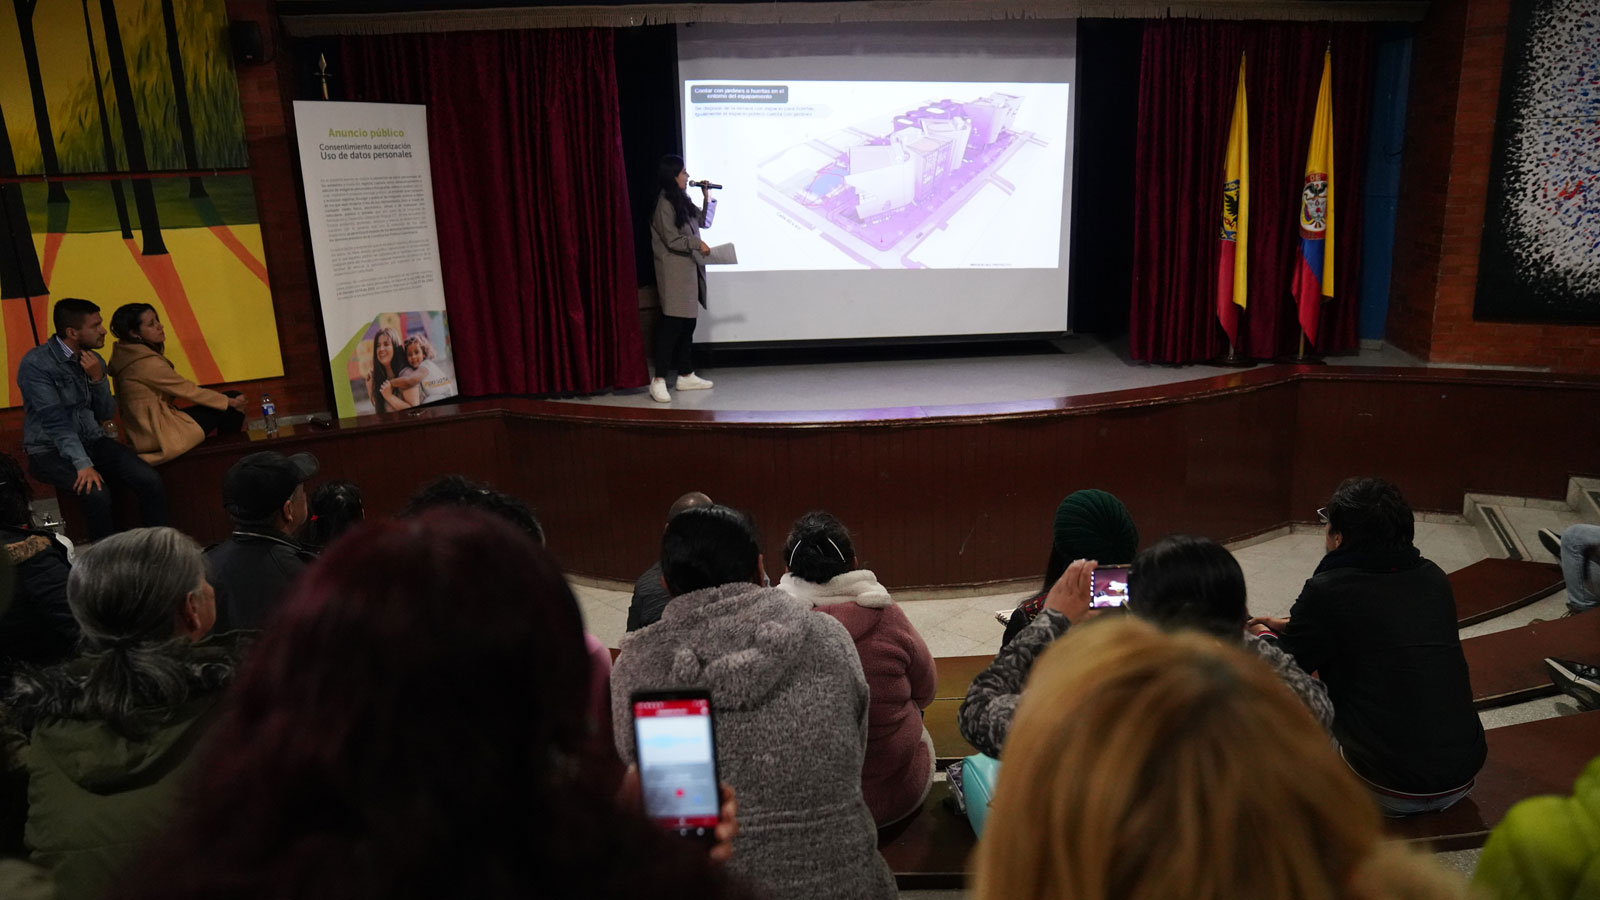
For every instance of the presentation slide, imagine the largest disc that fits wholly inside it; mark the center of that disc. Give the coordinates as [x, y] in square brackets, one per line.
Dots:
[826, 175]
[883, 181]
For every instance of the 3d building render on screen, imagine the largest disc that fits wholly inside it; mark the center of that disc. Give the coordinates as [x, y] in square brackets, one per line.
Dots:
[882, 193]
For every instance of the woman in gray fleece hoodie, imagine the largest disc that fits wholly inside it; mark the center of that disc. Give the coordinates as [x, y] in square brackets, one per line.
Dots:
[790, 702]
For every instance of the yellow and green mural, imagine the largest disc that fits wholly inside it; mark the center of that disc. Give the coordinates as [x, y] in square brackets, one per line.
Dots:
[123, 178]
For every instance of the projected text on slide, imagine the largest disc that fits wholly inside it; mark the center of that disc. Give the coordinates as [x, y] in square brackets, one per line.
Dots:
[839, 175]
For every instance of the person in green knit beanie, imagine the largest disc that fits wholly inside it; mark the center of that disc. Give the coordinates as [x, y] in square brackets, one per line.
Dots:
[1546, 848]
[1089, 524]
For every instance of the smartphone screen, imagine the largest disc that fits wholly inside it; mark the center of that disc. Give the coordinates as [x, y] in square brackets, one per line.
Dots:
[1110, 587]
[676, 748]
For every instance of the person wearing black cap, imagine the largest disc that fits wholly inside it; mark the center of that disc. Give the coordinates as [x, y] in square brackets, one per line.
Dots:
[265, 496]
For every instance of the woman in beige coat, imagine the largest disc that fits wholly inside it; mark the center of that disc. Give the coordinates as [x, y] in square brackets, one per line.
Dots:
[148, 388]
[680, 275]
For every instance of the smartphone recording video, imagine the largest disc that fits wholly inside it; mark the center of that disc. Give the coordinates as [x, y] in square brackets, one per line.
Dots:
[1109, 588]
[675, 739]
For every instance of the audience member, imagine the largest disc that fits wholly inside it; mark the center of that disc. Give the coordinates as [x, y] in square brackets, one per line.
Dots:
[900, 675]
[65, 401]
[148, 388]
[410, 729]
[457, 491]
[1578, 549]
[265, 495]
[110, 734]
[1179, 582]
[790, 703]
[335, 508]
[1148, 765]
[1546, 848]
[1377, 622]
[1089, 524]
[38, 628]
[460, 492]
[650, 594]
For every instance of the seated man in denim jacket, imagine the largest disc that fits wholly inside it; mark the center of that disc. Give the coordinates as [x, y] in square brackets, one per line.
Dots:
[65, 398]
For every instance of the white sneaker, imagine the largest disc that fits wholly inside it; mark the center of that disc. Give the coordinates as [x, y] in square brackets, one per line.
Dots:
[658, 391]
[693, 382]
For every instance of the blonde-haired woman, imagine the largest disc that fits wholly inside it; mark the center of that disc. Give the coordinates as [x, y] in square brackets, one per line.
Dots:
[1144, 765]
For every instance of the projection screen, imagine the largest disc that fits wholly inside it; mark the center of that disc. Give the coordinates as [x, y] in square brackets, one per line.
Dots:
[883, 181]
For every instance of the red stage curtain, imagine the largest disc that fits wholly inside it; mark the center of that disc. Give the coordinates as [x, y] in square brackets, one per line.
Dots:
[531, 199]
[1188, 73]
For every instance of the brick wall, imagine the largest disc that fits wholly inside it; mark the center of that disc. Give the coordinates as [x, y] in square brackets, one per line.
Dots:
[1455, 91]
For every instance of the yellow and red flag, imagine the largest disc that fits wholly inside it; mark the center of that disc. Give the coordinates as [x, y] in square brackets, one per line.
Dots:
[1314, 273]
[1232, 255]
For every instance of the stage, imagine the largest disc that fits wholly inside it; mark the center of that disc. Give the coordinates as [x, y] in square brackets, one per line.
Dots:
[948, 466]
[962, 375]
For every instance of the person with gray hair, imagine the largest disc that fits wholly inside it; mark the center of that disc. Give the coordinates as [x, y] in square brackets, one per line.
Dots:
[109, 735]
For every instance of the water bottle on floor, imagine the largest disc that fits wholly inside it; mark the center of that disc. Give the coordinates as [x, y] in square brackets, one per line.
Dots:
[269, 416]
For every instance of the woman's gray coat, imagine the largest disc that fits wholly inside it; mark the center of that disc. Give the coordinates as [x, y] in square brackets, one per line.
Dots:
[791, 716]
[680, 268]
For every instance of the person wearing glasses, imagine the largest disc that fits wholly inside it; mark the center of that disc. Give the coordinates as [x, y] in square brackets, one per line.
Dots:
[1377, 622]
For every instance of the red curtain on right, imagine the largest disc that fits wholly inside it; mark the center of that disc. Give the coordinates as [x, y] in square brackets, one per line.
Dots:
[1189, 69]
[535, 238]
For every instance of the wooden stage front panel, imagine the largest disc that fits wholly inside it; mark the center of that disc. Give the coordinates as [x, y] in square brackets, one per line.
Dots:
[963, 495]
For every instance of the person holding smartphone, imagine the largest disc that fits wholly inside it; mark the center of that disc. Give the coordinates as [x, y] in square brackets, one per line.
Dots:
[1180, 582]
[435, 747]
[789, 702]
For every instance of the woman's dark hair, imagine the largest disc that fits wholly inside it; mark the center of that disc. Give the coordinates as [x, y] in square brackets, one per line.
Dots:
[1371, 514]
[125, 321]
[667, 179]
[381, 372]
[15, 494]
[335, 509]
[126, 592]
[709, 546]
[819, 548]
[461, 491]
[1182, 581]
[415, 726]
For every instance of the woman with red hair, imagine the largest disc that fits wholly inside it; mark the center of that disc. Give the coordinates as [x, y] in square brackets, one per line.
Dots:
[416, 724]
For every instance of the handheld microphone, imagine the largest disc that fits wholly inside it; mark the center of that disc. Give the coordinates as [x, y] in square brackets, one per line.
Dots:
[705, 184]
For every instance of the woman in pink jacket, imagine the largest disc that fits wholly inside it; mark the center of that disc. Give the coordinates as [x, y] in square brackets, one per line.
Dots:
[900, 675]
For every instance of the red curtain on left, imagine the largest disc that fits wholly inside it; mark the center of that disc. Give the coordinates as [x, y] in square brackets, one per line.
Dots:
[531, 198]
[1188, 72]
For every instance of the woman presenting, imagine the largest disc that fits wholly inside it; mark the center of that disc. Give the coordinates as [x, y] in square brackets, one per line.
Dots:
[680, 275]
[148, 388]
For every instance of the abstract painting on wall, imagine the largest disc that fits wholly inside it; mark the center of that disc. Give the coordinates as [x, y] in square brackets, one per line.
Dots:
[124, 178]
[1540, 260]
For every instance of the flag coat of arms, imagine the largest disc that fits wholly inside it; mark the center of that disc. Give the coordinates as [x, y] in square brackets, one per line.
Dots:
[1314, 272]
[1233, 241]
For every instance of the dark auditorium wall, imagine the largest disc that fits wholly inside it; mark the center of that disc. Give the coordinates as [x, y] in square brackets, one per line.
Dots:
[1444, 187]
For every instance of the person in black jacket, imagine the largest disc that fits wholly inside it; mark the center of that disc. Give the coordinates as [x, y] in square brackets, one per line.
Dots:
[1377, 621]
[38, 629]
[265, 495]
[650, 594]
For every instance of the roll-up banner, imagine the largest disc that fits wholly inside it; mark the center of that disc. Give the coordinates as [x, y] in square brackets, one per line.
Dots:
[369, 202]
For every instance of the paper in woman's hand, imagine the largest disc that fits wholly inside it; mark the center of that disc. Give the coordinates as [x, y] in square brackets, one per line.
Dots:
[722, 255]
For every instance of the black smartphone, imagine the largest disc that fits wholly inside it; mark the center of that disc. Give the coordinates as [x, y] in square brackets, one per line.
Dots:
[1110, 587]
[675, 741]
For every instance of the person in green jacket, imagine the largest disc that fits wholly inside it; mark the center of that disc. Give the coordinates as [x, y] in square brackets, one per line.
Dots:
[1546, 848]
[110, 734]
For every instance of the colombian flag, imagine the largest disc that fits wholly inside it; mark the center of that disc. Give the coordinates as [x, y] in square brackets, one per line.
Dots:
[1232, 255]
[1314, 275]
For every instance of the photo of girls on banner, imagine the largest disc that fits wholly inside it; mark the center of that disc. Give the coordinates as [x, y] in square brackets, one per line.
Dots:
[400, 361]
